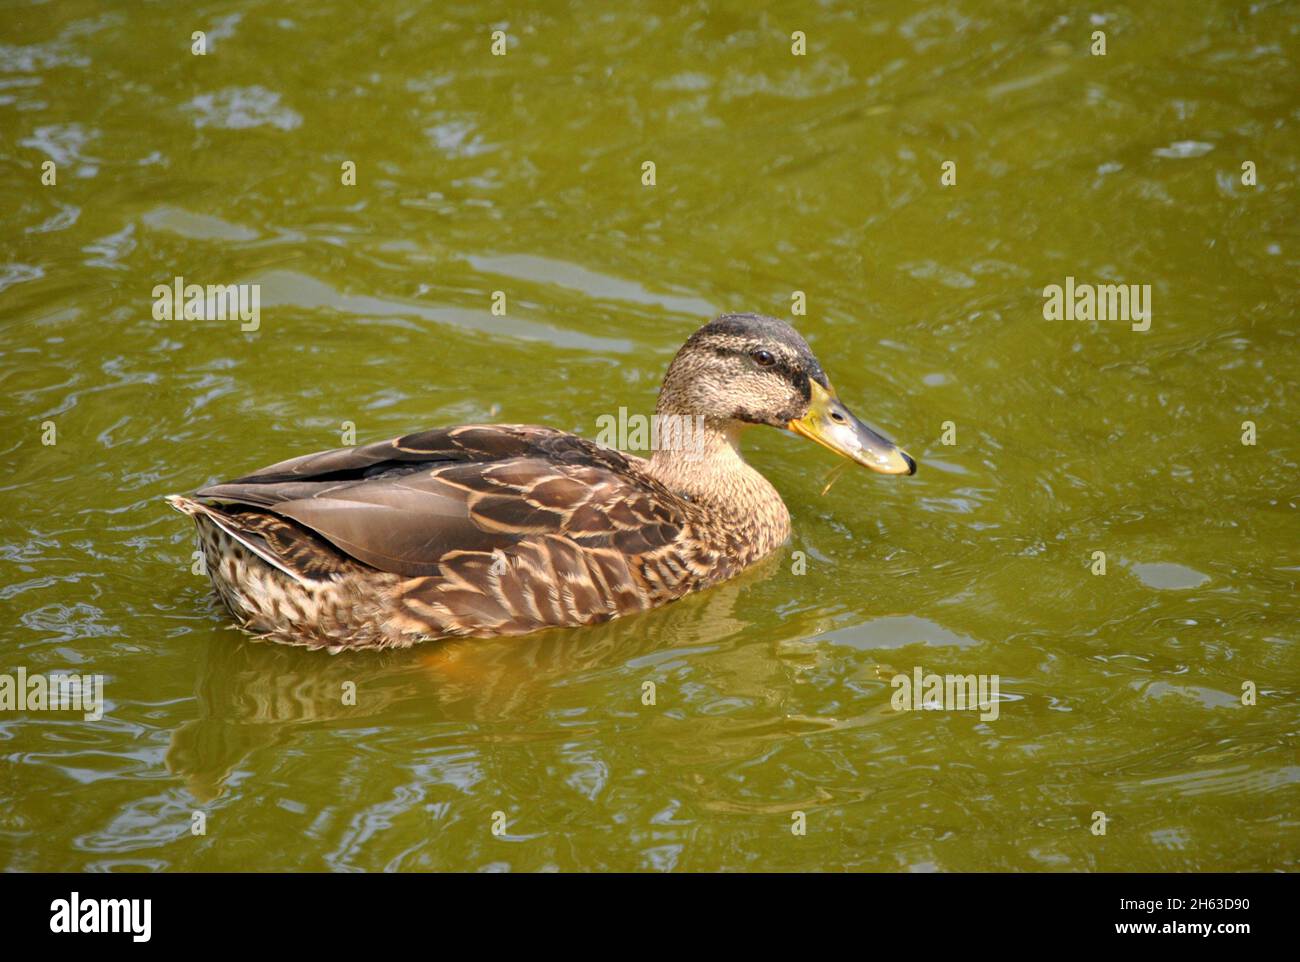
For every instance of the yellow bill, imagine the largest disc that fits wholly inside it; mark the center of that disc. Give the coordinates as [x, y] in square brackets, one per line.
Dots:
[834, 426]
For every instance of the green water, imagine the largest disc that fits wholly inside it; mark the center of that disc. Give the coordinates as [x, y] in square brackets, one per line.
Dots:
[1120, 693]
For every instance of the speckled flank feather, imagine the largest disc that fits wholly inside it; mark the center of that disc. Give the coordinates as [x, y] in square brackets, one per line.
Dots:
[481, 530]
[333, 612]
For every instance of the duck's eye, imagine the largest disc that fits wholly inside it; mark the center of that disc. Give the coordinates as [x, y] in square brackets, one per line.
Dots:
[763, 358]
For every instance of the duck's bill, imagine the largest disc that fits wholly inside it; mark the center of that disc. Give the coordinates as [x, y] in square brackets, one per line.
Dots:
[834, 426]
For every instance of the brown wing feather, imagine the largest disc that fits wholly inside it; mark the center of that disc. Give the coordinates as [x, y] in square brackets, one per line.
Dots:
[403, 505]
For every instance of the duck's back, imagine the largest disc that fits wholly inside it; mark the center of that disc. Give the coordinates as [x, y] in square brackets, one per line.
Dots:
[474, 530]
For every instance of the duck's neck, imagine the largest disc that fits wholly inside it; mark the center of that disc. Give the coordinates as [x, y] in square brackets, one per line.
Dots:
[703, 462]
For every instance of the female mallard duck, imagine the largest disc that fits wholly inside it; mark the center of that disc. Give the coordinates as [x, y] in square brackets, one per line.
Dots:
[486, 530]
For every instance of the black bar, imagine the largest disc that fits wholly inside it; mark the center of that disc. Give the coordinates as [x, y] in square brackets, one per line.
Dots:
[333, 912]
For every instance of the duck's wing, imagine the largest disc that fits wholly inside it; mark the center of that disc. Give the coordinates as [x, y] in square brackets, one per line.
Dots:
[405, 505]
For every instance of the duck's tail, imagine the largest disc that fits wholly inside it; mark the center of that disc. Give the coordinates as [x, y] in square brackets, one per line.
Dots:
[184, 505]
[279, 543]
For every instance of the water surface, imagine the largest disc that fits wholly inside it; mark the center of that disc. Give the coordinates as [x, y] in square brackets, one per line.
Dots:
[1120, 693]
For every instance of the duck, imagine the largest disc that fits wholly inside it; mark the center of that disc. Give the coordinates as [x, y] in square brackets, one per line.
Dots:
[488, 530]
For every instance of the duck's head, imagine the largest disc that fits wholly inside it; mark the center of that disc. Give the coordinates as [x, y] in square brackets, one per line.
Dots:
[752, 369]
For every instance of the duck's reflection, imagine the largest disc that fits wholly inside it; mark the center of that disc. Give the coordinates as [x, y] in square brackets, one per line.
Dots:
[252, 694]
